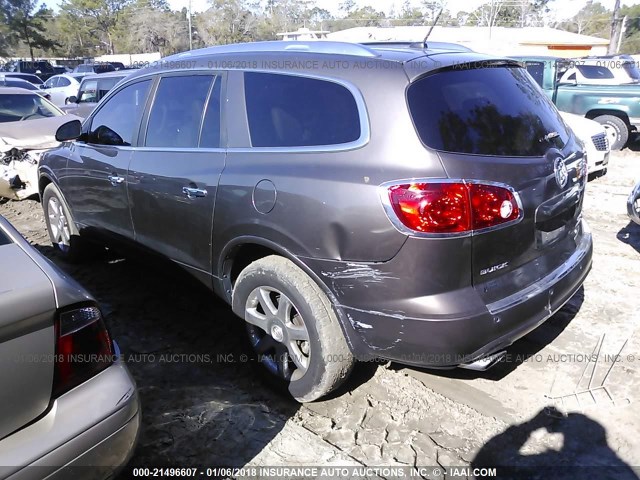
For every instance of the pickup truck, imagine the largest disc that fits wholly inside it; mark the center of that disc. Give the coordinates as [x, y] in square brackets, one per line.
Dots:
[615, 107]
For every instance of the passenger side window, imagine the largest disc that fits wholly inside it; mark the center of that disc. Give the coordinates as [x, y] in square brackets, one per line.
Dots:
[176, 115]
[210, 136]
[292, 111]
[117, 121]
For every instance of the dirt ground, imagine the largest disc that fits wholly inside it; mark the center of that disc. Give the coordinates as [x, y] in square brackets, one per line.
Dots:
[546, 405]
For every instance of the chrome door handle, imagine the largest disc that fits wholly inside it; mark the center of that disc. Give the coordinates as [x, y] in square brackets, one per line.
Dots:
[115, 180]
[191, 192]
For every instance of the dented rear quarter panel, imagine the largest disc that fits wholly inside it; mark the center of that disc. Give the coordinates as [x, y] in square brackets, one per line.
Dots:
[327, 205]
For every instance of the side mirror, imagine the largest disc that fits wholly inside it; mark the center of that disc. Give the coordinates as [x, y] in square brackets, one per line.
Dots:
[71, 99]
[103, 135]
[69, 131]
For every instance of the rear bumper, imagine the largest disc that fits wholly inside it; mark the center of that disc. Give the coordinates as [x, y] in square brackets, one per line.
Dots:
[89, 432]
[458, 327]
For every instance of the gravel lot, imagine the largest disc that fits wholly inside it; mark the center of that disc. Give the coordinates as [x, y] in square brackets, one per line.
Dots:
[204, 406]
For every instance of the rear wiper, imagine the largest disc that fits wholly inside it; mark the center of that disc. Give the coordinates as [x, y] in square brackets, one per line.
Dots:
[549, 136]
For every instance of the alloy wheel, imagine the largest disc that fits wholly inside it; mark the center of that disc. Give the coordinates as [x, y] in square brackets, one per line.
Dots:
[278, 333]
[59, 225]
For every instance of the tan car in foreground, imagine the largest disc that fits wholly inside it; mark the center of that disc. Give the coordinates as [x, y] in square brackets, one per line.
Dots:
[67, 398]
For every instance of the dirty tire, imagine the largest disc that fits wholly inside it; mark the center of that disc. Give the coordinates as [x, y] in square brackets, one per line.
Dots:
[71, 246]
[617, 130]
[330, 360]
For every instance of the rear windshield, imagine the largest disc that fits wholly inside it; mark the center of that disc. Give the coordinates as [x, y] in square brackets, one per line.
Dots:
[103, 68]
[485, 111]
[595, 72]
[8, 82]
[536, 70]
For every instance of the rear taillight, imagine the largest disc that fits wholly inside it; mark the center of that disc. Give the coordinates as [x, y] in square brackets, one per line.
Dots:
[83, 348]
[451, 207]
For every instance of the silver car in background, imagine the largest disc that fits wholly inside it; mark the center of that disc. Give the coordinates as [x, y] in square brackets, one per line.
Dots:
[92, 88]
[67, 398]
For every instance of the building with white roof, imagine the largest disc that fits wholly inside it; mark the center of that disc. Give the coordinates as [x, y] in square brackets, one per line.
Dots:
[495, 40]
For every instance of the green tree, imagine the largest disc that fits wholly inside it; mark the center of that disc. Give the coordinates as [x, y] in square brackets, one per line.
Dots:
[631, 38]
[228, 21]
[26, 22]
[104, 15]
[4, 31]
[592, 19]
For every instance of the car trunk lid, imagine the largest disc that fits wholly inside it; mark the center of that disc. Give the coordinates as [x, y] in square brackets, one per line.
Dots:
[27, 339]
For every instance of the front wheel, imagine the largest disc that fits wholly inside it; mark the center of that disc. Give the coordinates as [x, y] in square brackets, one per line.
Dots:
[292, 328]
[616, 129]
[61, 227]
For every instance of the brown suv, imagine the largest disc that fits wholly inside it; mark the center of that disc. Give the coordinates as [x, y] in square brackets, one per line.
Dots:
[414, 204]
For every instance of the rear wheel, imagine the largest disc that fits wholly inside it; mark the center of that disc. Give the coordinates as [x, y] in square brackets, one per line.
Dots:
[617, 130]
[61, 227]
[292, 328]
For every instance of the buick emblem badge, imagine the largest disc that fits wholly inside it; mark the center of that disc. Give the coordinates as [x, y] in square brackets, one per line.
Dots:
[561, 172]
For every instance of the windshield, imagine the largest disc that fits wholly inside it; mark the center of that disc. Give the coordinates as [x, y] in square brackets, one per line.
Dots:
[17, 107]
[485, 111]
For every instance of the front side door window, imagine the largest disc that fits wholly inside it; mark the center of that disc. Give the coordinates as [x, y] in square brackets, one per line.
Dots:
[117, 122]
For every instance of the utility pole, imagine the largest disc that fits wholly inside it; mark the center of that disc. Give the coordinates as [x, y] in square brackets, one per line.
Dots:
[190, 30]
[616, 30]
[623, 29]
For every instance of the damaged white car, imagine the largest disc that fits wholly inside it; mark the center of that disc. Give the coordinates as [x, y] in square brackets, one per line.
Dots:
[28, 124]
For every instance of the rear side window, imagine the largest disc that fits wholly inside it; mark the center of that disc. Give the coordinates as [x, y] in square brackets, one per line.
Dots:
[292, 111]
[63, 82]
[485, 111]
[177, 111]
[536, 70]
[595, 72]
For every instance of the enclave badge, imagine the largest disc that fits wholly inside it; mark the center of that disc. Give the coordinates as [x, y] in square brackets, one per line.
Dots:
[561, 172]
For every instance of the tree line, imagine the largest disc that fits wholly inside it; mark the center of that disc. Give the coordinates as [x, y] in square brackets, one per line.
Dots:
[88, 28]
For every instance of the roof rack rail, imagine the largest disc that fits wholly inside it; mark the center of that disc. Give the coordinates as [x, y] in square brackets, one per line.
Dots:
[428, 45]
[318, 46]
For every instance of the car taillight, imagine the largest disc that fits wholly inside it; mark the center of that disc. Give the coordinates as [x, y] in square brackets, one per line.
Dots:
[83, 348]
[452, 207]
